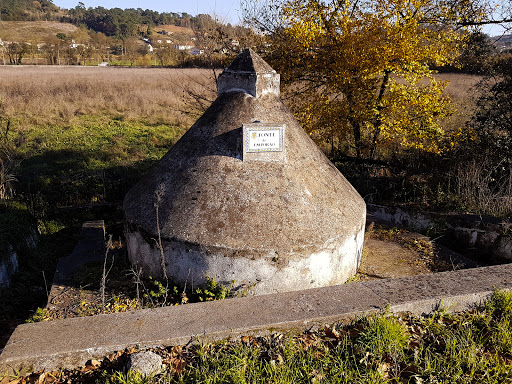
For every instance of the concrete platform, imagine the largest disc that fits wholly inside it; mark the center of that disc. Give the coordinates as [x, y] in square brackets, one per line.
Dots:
[70, 343]
[90, 248]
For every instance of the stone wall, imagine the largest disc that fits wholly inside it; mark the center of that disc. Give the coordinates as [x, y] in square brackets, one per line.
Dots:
[486, 236]
[9, 257]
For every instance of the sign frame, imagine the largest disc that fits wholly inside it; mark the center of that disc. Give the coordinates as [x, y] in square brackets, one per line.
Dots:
[272, 148]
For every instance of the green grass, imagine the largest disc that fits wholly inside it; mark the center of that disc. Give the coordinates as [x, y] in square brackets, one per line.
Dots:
[93, 159]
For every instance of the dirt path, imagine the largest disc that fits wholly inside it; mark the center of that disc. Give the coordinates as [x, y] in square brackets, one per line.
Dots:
[386, 259]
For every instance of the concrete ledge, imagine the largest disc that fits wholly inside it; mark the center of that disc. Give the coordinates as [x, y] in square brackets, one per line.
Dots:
[70, 343]
[90, 248]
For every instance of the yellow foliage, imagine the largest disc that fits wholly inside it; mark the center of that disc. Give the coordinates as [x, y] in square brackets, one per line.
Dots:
[362, 68]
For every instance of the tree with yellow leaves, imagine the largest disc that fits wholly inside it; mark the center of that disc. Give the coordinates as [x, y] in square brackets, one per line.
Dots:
[361, 68]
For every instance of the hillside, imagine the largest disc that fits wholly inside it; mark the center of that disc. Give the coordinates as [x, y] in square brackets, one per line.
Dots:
[174, 29]
[503, 43]
[33, 31]
[16, 10]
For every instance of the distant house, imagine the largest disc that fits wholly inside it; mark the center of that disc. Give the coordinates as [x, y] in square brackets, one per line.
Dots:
[183, 47]
[196, 51]
[235, 43]
[75, 45]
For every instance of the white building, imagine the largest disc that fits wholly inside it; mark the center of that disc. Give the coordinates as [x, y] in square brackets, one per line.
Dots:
[183, 47]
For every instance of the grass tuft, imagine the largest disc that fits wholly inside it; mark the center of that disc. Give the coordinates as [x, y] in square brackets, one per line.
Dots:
[382, 336]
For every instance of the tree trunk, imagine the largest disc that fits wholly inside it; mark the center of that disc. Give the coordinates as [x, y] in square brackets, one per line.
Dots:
[378, 121]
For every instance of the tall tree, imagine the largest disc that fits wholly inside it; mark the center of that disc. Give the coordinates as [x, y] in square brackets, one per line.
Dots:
[361, 68]
[493, 118]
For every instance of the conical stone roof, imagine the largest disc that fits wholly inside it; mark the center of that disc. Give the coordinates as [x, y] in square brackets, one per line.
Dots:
[269, 223]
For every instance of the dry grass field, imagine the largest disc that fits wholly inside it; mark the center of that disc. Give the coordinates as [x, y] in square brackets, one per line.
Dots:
[33, 31]
[463, 95]
[58, 94]
[84, 134]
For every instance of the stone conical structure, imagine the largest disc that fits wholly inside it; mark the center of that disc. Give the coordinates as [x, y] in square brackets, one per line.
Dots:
[275, 221]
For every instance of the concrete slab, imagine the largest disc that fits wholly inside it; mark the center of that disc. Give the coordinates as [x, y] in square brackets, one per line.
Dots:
[70, 343]
[90, 248]
[453, 291]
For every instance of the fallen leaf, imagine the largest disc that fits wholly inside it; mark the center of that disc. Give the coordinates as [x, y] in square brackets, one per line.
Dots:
[316, 376]
[178, 364]
[95, 363]
[413, 344]
[131, 350]
[246, 339]
[383, 370]
[332, 332]
[50, 378]
[114, 356]
[41, 378]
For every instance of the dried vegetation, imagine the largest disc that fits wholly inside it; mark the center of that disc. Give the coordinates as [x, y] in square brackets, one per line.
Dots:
[60, 95]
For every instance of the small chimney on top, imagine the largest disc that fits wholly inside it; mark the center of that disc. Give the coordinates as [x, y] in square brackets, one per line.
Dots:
[250, 74]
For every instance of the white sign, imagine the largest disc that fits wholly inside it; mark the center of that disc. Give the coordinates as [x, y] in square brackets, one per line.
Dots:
[264, 139]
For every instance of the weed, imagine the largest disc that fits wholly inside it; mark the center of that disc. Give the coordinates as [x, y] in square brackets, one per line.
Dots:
[130, 377]
[500, 304]
[39, 315]
[159, 195]
[158, 294]
[8, 161]
[213, 290]
[105, 272]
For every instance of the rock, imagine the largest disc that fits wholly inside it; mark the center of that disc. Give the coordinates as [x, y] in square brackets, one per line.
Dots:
[146, 363]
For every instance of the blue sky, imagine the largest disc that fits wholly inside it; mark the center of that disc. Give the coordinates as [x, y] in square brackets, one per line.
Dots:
[225, 10]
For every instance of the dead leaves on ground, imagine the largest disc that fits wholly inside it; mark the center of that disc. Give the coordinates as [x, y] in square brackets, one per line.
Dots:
[274, 348]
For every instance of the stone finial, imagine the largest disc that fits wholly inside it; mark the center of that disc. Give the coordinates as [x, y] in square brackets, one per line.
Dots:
[249, 73]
